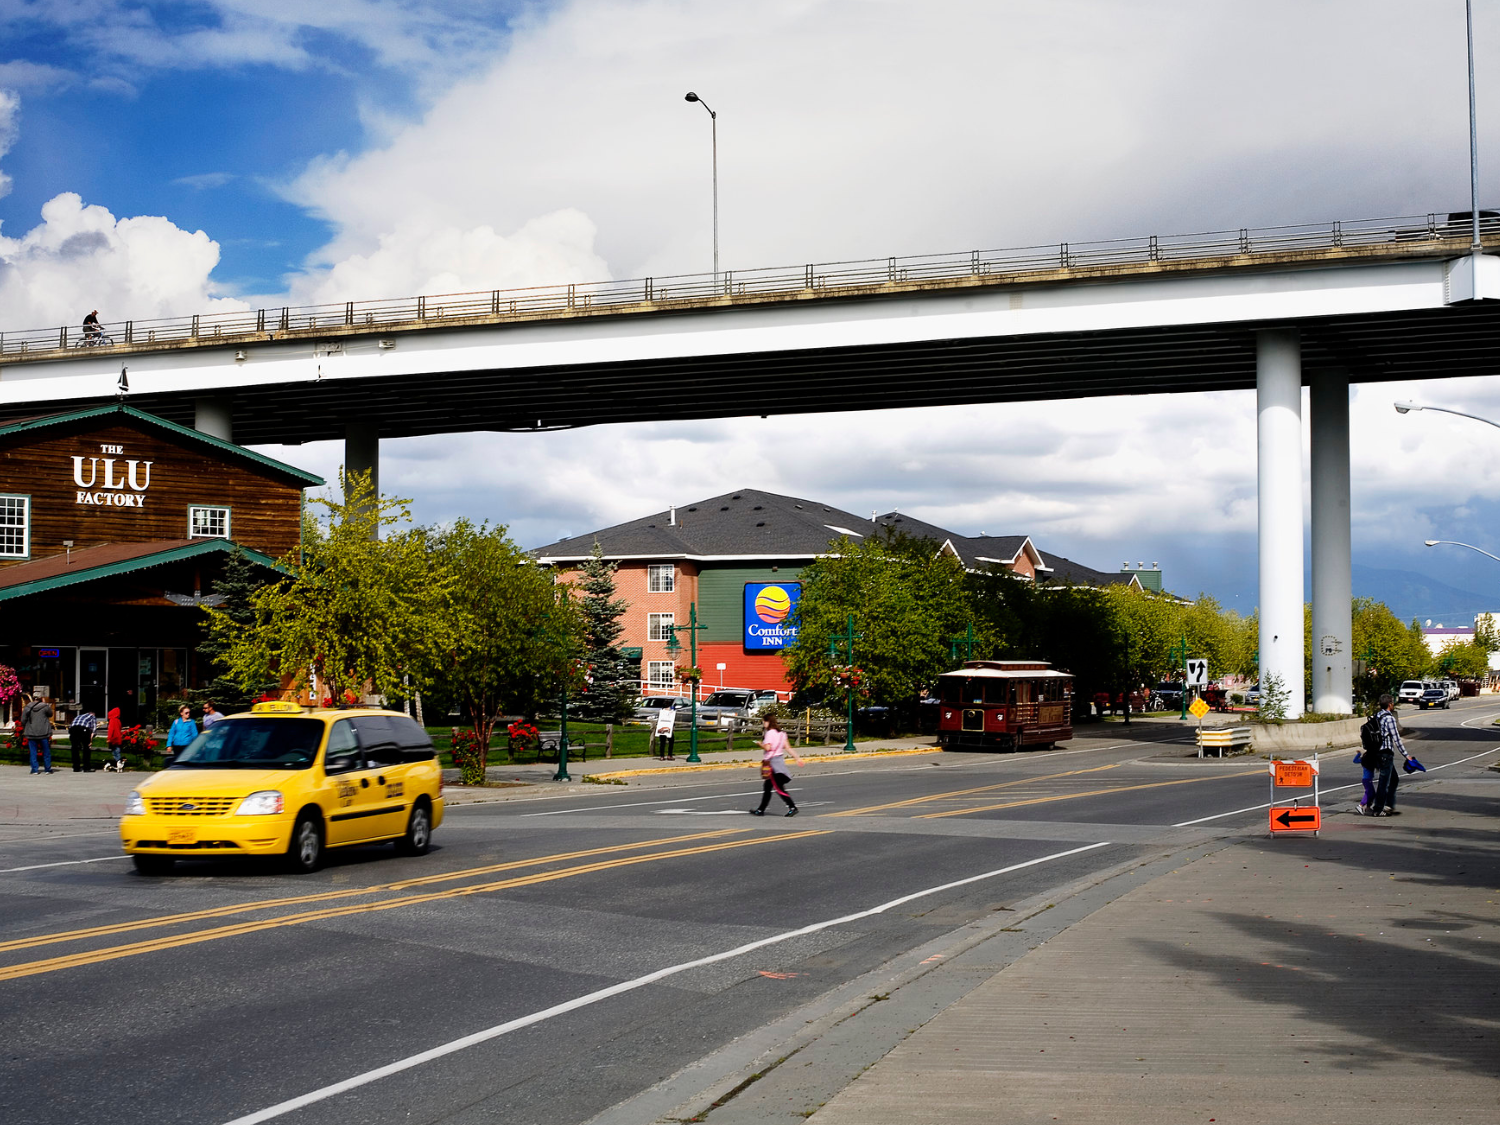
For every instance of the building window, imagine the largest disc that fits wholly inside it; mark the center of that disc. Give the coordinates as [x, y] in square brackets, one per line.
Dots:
[661, 673]
[659, 626]
[15, 527]
[208, 523]
[661, 578]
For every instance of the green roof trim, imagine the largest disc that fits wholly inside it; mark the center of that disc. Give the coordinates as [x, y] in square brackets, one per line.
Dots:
[309, 480]
[126, 566]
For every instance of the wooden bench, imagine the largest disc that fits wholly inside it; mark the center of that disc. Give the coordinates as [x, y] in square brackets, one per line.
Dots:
[1234, 738]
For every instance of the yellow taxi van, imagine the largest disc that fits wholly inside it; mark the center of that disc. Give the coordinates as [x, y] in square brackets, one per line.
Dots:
[281, 781]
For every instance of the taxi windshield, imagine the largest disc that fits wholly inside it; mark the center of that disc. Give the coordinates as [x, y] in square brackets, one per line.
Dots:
[284, 744]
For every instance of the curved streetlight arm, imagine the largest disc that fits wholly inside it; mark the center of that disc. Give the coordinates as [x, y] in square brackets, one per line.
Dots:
[1456, 543]
[1406, 407]
[692, 96]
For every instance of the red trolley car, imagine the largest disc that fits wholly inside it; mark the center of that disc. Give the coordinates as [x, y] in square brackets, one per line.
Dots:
[1004, 705]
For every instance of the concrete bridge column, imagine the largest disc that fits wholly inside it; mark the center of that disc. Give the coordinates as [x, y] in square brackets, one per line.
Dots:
[1332, 590]
[215, 417]
[1278, 396]
[362, 451]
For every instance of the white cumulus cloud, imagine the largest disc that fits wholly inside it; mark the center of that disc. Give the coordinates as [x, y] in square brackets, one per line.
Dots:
[81, 257]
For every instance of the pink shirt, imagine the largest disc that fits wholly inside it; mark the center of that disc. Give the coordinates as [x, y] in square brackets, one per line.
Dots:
[775, 746]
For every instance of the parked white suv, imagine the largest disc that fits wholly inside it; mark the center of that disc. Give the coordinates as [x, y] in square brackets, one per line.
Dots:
[1451, 686]
[1410, 691]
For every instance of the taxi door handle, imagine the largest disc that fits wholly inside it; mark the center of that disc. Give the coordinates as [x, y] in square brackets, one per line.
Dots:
[364, 783]
[380, 780]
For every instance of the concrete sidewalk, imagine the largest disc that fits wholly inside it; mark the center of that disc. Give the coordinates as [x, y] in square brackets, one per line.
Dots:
[1353, 977]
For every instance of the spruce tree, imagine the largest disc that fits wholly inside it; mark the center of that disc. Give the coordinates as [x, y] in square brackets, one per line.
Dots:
[237, 587]
[611, 694]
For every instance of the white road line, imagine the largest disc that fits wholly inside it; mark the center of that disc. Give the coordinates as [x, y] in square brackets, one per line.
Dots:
[641, 804]
[591, 998]
[1332, 789]
[60, 863]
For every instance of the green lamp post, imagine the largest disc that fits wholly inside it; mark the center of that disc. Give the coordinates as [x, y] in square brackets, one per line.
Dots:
[965, 641]
[845, 641]
[562, 739]
[674, 646]
[1179, 652]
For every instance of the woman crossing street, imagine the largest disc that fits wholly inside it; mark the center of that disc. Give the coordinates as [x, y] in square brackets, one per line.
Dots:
[773, 767]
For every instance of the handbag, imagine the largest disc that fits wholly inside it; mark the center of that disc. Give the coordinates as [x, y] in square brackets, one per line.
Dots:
[766, 770]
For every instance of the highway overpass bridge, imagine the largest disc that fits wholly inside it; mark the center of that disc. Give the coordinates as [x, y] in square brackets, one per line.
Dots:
[1267, 308]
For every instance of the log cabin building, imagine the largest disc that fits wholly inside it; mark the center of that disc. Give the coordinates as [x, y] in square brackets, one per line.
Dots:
[114, 525]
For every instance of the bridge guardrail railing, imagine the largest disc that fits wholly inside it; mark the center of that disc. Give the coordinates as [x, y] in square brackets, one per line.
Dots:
[535, 302]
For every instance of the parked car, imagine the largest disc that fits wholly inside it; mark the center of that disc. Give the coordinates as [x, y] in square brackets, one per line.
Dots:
[1252, 695]
[1410, 691]
[1451, 687]
[1167, 696]
[1434, 696]
[647, 707]
[730, 709]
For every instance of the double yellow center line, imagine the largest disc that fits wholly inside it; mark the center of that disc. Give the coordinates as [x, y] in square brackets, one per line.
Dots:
[193, 937]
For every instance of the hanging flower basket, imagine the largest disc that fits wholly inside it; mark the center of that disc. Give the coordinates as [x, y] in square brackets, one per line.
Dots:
[848, 677]
[690, 673]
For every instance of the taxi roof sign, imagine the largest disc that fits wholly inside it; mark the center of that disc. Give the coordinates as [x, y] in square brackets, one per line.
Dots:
[276, 707]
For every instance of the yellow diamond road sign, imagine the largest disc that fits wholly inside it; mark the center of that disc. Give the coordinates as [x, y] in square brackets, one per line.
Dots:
[1198, 708]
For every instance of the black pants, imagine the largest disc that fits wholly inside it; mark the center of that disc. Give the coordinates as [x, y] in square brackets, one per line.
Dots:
[81, 743]
[776, 782]
[1387, 779]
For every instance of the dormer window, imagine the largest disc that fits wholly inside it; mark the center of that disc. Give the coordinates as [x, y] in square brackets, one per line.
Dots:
[208, 522]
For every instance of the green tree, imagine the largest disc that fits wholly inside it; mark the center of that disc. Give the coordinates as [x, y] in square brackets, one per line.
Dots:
[237, 587]
[1393, 651]
[514, 635]
[906, 599]
[1463, 660]
[356, 610]
[612, 679]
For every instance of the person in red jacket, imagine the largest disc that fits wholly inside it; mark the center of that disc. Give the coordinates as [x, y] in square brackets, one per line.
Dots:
[113, 737]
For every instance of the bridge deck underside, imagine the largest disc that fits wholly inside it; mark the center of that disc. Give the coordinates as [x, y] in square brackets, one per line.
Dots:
[1461, 340]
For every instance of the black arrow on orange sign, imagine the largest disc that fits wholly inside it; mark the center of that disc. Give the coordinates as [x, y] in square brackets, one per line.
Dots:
[1287, 819]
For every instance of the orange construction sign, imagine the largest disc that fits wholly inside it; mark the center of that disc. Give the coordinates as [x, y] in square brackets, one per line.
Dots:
[1293, 775]
[1292, 818]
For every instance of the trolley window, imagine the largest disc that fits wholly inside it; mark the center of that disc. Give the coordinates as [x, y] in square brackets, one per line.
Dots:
[997, 691]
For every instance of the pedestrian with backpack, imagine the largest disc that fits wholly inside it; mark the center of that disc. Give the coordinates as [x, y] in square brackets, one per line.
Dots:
[1369, 750]
[1381, 762]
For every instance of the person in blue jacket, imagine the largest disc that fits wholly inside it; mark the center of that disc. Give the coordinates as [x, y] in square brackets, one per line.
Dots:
[183, 731]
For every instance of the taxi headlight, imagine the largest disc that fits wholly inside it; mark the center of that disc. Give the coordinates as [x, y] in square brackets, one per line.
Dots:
[134, 805]
[267, 802]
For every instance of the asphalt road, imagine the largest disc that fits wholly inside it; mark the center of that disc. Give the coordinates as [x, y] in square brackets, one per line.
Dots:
[556, 955]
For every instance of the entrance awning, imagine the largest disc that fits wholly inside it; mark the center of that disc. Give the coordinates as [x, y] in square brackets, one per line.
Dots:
[110, 560]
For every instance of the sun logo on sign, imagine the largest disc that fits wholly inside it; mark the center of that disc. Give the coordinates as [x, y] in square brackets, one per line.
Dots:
[772, 605]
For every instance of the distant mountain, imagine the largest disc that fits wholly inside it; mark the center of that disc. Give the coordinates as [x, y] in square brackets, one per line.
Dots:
[1410, 594]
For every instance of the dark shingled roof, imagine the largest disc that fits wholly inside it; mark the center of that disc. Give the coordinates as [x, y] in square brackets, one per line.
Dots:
[975, 552]
[1066, 572]
[742, 524]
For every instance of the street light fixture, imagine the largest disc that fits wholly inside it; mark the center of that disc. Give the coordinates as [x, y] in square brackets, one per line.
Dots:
[714, 124]
[1456, 543]
[1408, 407]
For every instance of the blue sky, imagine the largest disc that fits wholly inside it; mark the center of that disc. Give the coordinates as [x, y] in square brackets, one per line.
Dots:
[369, 148]
[202, 113]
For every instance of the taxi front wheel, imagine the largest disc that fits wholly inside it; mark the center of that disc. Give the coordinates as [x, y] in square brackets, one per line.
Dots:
[418, 831]
[305, 852]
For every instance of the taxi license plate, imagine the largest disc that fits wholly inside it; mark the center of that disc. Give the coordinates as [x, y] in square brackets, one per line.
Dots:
[182, 835]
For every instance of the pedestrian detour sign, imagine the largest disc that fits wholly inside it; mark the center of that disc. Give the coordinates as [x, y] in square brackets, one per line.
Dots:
[1295, 773]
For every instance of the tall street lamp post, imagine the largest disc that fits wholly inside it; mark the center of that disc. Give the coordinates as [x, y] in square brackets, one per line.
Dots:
[675, 646]
[714, 125]
[845, 641]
